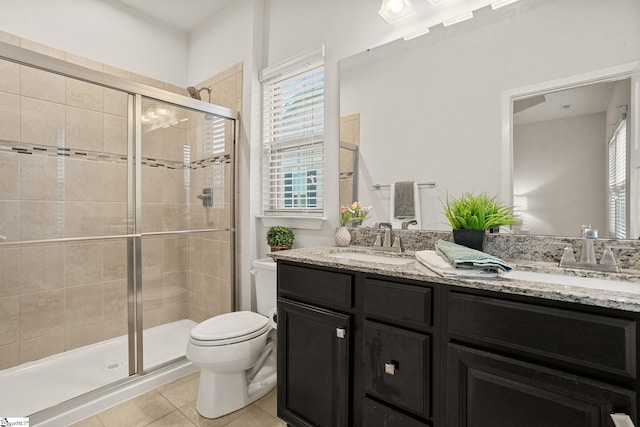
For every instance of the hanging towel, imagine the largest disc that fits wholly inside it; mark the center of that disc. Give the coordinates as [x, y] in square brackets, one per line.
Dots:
[404, 203]
[438, 265]
[463, 257]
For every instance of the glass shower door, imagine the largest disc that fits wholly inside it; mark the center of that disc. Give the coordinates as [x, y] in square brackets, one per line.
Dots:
[64, 217]
[185, 222]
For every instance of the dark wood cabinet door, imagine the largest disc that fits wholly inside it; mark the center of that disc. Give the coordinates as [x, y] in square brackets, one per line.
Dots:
[313, 365]
[488, 390]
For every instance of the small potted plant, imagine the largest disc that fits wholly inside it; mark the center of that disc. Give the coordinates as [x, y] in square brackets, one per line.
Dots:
[280, 238]
[470, 216]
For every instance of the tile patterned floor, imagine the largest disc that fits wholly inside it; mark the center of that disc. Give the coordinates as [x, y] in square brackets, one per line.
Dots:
[174, 405]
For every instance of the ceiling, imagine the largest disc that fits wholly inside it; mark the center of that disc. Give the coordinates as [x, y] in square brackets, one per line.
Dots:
[593, 98]
[185, 15]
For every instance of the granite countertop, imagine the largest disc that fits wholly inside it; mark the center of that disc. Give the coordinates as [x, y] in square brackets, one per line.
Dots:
[416, 271]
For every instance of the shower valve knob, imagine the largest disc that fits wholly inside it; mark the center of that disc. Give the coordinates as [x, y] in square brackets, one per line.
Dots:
[206, 197]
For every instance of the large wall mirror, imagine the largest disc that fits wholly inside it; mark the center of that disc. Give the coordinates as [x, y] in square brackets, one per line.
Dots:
[494, 105]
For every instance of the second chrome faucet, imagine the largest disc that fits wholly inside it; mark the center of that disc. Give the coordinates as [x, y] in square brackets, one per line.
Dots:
[588, 254]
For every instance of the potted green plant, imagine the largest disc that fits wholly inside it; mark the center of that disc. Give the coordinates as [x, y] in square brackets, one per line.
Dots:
[470, 216]
[280, 238]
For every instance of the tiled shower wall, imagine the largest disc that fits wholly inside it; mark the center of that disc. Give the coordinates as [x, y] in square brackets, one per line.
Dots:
[349, 132]
[62, 174]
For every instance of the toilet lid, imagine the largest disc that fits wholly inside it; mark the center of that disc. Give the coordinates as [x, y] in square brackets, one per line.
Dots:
[230, 325]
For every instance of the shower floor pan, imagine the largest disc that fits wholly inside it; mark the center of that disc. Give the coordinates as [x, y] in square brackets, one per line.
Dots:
[34, 386]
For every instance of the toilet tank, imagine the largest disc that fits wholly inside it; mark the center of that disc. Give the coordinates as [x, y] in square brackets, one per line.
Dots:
[266, 284]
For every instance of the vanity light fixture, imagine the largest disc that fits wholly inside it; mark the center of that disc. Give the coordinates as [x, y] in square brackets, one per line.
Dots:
[396, 10]
[499, 3]
[415, 34]
[457, 19]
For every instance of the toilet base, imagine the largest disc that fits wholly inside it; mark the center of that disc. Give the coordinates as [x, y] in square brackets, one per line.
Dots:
[221, 394]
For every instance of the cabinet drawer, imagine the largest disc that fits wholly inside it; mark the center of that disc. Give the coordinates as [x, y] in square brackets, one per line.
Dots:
[397, 367]
[590, 340]
[375, 414]
[315, 286]
[400, 302]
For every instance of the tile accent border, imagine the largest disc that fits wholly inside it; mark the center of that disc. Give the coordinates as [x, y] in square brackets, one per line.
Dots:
[45, 150]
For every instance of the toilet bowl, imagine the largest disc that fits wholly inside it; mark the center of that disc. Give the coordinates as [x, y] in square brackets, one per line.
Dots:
[236, 352]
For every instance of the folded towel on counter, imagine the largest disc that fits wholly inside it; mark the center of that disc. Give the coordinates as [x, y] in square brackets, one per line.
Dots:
[404, 203]
[438, 265]
[463, 257]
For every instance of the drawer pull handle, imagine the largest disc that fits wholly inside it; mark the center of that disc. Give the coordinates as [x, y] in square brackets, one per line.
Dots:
[622, 420]
[341, 333]
[390, 368]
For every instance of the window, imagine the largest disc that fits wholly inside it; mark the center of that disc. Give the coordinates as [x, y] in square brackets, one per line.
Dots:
[618, 182]
[293, 136]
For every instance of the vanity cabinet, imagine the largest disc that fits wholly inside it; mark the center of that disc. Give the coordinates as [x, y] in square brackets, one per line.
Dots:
[417, 353]
[314, 347]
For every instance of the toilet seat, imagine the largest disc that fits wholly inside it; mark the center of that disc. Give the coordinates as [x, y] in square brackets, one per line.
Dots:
[229, 328]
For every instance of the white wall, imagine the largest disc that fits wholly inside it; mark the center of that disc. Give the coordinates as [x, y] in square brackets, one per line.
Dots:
[433, 112]
[560, 166]
[223, 40]
[102, 31]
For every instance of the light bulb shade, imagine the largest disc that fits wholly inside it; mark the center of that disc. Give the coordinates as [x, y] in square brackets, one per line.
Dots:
[396, 10]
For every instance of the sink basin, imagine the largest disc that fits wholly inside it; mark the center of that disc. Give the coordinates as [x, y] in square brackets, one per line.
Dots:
[380, 259]
[582, 282]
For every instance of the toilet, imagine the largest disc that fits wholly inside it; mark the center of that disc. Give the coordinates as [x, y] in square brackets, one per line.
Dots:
[236, 352]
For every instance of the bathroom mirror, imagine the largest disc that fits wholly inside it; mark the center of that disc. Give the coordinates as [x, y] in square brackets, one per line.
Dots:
[431, 110]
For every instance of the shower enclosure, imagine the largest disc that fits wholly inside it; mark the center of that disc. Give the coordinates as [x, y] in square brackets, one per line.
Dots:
[117, 228]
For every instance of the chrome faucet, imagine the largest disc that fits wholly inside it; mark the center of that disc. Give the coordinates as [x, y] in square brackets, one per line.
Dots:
[386, 243]
[406, 224]
[588, 254]
[386, 240]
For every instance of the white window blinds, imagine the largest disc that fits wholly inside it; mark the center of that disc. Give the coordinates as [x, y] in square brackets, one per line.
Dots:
[618, 182]
[293, 136]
